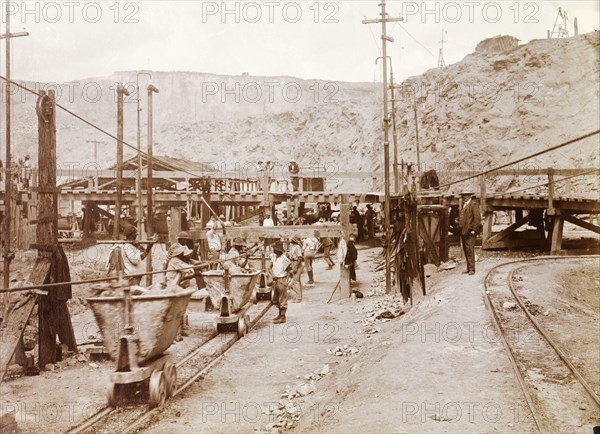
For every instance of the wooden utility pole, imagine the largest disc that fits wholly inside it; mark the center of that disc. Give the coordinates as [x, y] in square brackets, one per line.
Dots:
[52, 265]
[138, 177]
[386, 143]
[418, 149]
[8, 255]
[396, 179]
[120, 92]
[96, 143]
[149, 205]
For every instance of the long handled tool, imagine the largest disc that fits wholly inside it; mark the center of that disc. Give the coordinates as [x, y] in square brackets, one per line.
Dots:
[334, 289]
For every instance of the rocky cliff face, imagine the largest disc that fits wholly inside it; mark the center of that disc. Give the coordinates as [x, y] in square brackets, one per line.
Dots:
[487, 109]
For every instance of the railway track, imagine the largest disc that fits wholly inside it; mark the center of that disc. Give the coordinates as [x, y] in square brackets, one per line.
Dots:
[558, 395]
[131, 417]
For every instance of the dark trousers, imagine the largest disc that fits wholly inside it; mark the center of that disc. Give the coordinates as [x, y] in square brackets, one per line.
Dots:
[326, 255]
[468, 244]
[352, 270]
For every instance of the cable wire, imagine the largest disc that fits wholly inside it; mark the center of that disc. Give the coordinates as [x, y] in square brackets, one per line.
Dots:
[503, 166]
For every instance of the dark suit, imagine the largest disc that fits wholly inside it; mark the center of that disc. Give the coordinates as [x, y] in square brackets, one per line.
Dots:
[469, 221]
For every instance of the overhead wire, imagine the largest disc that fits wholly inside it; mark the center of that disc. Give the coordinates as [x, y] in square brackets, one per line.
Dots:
[519, 160]
[586, 173]
[103, 131]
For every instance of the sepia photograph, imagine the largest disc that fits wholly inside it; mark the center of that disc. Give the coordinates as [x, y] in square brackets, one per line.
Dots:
[312, 216]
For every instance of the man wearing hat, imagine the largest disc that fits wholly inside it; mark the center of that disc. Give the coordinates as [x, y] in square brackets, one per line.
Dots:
[311, 246]
[234, 257]
[190, 257]
[469, 222]
[295, 255]
[128, 256]
[280, 269]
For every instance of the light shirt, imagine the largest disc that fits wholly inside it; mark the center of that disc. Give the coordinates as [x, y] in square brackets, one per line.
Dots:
[466, 203]
[132, 259]
[280, 265]
[213, 240]
[311, 245]
[268, 222]
[295, 251]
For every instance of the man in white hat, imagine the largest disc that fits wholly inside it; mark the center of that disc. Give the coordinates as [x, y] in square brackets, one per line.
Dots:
[469, 222]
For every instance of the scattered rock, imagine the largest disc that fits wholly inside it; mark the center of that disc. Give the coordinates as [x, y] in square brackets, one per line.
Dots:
[342, 351]
[429, 270]
[509, 305]
[93, 365]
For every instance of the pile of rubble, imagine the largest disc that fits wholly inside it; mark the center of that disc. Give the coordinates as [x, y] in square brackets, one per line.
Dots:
[345, 350]
[379, 311]
[288, 412]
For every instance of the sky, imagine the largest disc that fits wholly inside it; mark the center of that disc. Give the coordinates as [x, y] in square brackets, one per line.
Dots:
[311, 39]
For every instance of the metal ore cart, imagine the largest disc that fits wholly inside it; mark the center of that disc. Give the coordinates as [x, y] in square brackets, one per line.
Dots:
[233, 293]
[137, 330]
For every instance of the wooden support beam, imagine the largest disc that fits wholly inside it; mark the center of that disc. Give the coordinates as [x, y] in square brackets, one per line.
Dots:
[557, 234]
[581, 223]
[482, 193]
[175, 224]
[509, 230]
[346, 228]
[254, 233]
[51, 266]
[551, 210]
[488, 222]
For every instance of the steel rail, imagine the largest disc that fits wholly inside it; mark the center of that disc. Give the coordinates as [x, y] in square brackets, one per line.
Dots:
[536, 417]
[106, 411]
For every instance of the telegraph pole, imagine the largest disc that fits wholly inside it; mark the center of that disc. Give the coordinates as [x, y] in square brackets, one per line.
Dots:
[117, 221]
[8, 256]
[96, 143]
[149, 211]
[396, 180]
[386, 143]
[138, 177]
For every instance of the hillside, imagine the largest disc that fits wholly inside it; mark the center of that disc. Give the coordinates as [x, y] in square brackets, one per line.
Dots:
[487, 109]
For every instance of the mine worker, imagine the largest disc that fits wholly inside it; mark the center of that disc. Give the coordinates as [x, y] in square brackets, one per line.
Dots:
[268, 221]
[310, 247]
[295, 255]
[370, 218]
[234, 259]
[213, 239]
[351, 257]
[469, 222]
[177, 266]
[131, 255]
[327, 244]
[191, 257]
[26, 171]
[280, 270]
[357, 218]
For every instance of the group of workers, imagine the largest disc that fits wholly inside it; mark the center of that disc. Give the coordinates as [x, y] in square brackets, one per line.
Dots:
[287, 264]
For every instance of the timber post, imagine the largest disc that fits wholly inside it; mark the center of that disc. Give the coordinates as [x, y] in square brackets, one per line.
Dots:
[120, 92]
[51, 265]
[344, 272]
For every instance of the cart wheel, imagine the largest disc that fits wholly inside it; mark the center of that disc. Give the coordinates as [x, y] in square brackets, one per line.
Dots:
[158, 389]
[242, 327]
[247, 319]
[170, 374]
[254, 298]
[221, 327]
